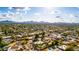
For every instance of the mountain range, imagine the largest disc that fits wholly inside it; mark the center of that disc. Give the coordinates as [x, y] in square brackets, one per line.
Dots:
[27, 22]
[35, 22]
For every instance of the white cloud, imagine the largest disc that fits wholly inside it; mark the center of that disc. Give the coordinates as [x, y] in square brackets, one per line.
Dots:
[26, 9]
[49, 8]
[10, 8]
[37, 14]
[52, 12]
[18, 9]
[17, 12]
[55, 12]
[9, 12]
[3, 16]
[71, 16]
[25, 12]
[22, 10]
[7, 15]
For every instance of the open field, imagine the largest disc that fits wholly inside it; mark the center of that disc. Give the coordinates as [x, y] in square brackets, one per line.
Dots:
[39, 37]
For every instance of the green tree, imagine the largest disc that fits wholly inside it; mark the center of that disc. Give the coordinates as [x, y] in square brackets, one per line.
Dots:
[43, 33]
[36, 37]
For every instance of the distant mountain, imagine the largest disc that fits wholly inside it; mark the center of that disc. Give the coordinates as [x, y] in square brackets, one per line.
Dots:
[65, 24]
[41, 22]
[35, 22]
[27, 22]
[6, 22]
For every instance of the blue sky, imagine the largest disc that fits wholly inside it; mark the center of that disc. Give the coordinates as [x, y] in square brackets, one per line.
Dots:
[46, 14]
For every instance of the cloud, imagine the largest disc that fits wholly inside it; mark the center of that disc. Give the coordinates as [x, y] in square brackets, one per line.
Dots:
[52, 12]
[22, 10]
[58, 17]
[18, 7]
[72, 16]
[37, 14]
[3, 15]
[17, 13]
[55, 12]
[25, 12]
[9, 12]
[26, 9]
[10, 8]
[7, 15]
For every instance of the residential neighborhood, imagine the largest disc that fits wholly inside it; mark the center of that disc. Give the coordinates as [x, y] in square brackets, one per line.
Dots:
[38, 37]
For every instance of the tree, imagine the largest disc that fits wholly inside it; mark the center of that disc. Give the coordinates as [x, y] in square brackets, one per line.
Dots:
[43, 33]
[36, 37]
[2, 43]
[0, 39]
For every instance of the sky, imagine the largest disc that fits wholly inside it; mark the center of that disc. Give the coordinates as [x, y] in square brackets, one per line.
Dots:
[46, 14]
